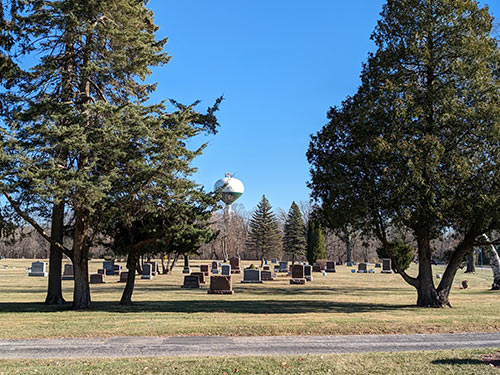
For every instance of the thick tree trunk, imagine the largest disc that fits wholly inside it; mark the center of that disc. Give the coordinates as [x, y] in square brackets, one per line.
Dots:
[54, 290]
[81, 292]
[471, 267]
[494, 259]
[132, 261]
[427, 295]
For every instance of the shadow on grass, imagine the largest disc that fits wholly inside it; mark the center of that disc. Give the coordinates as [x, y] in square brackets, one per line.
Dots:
[213, 306]
[457, 361]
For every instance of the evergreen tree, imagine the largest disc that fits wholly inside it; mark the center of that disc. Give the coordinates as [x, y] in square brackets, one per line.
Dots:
[264, 235]
[315, 242]
[80, 131]
[294, 233]
[416, 148]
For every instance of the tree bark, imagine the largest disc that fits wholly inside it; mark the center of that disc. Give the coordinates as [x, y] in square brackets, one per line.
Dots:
[494, 259]
[132, 261]
[174, 261]
[471, 267]
[81, 292]
[348, 248]
[54, 290]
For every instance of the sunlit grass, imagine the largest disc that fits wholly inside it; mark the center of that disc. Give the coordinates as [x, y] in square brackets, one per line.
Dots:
[340, 303]
[442, 362]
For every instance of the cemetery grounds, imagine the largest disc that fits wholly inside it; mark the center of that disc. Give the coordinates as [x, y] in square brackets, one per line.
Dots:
[342, 303]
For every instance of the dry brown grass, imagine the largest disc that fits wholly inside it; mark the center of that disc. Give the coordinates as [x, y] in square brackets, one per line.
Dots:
[341, 303]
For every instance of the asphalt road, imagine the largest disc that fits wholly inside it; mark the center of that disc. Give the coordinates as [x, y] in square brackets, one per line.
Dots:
[114, 347]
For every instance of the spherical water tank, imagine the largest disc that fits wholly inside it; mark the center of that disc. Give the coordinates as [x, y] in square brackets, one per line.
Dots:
[231, 187]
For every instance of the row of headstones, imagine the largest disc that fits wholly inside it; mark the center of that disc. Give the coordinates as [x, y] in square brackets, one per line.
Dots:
[223, 284]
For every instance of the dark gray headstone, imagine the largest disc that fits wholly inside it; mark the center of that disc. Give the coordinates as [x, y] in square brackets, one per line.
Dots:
[109, 267]
[251, 276]
[147, 271]
[38, 269]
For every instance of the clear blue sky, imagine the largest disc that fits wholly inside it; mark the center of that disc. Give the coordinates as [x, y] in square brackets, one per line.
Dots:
[280, 65]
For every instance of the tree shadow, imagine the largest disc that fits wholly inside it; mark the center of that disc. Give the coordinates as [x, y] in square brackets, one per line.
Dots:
[213, 306]
[458, 361]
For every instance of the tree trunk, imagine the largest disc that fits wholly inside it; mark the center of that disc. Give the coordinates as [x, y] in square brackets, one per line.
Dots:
[174, 261]
[293, 259]
[132, 261]
[138, 267]
[427, 295]
[348, 248]
[471, 267]
[81, 292]
[494, 259]
[54, 290]
[164, 268]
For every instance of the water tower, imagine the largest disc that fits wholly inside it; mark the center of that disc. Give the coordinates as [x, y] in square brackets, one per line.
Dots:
[231, 189]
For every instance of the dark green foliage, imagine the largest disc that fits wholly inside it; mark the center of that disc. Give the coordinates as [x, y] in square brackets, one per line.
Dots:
[80, 134]
[294, 236]
[417, 147]
[315, 242]
[264, 235]
[401, 255]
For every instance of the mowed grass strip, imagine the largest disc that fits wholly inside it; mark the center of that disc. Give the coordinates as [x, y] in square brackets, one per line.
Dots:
[438, 362]
[340, 303]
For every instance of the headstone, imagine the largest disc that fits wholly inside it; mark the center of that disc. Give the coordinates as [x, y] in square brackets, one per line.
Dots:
[225, 270]
[465, 284]
[371, 270]
[362, 268]
[186, 268]
[438, 275]
[378, 265]
[101, 271]
[147, 271]
[266, 262]
[123, 277]
[297, 274]
[340, 263]
[350, 264]
[316, 268]
[251, 276]
[215, 266]
[68, 272]
[116, 269]
[97, 278]
[283, 266]
[109, 267]
[276, 268]
[330, 267]
[204, 269]
[221, 285]
[155, 268]
[191, 282]
[386, 265]
[267, 268]
[200, 275]
[274, 261]
[235, 265]
[38, 269]
[267, 276]
[308, 273]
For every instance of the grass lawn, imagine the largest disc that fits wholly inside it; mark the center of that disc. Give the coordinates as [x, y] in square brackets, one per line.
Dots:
[340, 303]
[440, 362]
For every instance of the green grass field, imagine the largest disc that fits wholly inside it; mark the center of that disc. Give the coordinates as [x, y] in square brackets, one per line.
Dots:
[340, 303]
[442, 362]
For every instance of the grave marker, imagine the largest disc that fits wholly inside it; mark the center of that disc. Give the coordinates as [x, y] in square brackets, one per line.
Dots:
[235, 265]
[123, 277]
[297, 274]
[147, 271]
[191, 282]
[267, 276]
[204, 269]
[68, 272]
[386, 265]
[330, 267]
[109, 267]
[38, 269]
[251, 276]
[283, 266]
[362, 268]
[200, 275]
[97, 278]
[221, 285]
[226, 270]
[308, 272]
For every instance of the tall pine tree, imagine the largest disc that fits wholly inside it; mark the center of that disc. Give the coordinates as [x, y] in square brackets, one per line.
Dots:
[315, 242]
[264, 235]
[294, 233]
[417, 147]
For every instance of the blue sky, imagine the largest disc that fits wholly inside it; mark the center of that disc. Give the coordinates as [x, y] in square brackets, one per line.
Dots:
[280, 65]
